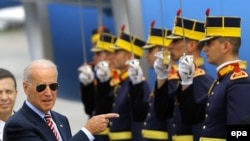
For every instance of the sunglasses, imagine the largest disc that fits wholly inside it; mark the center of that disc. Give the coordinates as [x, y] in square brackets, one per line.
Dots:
[42, 87]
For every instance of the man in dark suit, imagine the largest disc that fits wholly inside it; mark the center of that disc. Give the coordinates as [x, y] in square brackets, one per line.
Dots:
[8, 94]
[29, 123]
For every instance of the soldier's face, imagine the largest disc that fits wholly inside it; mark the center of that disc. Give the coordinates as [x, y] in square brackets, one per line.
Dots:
[120, 59]
[213, 49]
[151, 55]
[176, 48]
[110, 58]
[97, 57]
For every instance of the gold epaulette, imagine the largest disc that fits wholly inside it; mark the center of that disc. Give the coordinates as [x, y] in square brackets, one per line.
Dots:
[115, 77]
[173, 76]
[238, 75]
[173, 72]
[199, 61]
[118, 77]
[199, 72]
[114, 82]
[243, 64]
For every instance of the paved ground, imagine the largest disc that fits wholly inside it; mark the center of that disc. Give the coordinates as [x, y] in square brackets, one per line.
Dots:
[14, 56]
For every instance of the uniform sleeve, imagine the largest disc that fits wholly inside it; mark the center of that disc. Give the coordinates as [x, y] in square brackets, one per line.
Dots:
[104, 98]
[238, 104]
[164, 103]
[88, 97]
[192, 101]
[139, 95]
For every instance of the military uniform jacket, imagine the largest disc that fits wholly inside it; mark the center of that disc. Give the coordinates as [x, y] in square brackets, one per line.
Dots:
[191, 100]
[152, 123]
[191, 103]
[183, 104]
[88, 97]
[164, 101]
[143, 110]
[228, 101]
[103, 99]
[126, 105]
[96, 97]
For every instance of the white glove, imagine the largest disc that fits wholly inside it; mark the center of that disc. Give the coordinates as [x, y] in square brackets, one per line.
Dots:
[135, 71]
[103, 71]
[161, 70]
[86, 75]
[186, 69]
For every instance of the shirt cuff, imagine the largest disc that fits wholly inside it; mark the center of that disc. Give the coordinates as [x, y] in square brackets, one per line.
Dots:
[88, 134]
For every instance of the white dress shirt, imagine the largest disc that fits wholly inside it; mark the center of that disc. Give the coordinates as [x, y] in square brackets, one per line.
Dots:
[2, 123]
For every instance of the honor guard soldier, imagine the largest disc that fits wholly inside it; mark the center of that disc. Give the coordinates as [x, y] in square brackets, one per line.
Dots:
[128, 126]
[86, 75]
[155, 129]
[96, 36]
[228, 97]
[194, 84]
[104, 71]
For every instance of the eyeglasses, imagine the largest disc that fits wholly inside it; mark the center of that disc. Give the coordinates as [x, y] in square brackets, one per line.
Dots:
[42, 87]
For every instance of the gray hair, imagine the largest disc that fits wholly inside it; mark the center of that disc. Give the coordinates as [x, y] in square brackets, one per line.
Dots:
[42, 63]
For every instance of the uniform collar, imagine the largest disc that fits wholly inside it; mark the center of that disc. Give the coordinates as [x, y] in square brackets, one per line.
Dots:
[226, 63]
[228, 67]
[118, 77]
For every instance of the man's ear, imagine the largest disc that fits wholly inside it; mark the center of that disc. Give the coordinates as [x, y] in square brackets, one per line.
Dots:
[226, 47]
[192, 45]
[25, 88]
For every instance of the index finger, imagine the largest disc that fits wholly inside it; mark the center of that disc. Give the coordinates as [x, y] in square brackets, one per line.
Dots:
[111, 115]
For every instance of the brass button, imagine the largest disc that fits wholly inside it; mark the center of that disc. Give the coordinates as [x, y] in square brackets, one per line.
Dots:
[206, 115]
[113, 104]
[204, 127]
[149, 114]
[174, 125]
[150, 104]
[212, 93]
[208, 104]
[218, 83]
[145, 123]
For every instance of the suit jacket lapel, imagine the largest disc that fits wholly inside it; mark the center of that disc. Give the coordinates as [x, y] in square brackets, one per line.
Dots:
[60, 126]
[38, 122]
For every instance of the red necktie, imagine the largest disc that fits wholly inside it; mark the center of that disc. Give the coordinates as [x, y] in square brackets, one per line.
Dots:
[51, 125]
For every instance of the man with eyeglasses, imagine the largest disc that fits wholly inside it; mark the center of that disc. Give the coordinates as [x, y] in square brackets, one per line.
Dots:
[8, 93]
[29, 123]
